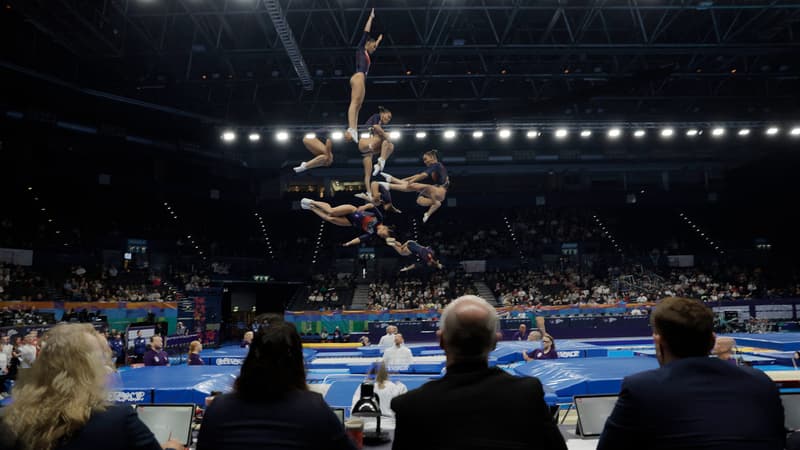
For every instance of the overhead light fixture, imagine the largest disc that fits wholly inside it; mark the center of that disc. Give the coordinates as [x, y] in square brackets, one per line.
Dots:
[614, 133]
[477, 134]
[718, 132]
[586, 133]
[311, 135]
[667, 132]
[396, 135]
[254, 137]
[228, 136]
[421, 135]
[772, 131]
[532, 134]
[692, 132]
[795, 131]
[282, 136]
[505, 133]
[450, 134]
[561, 133]
[364, 135]
[639, 133]
[337, 135]
[744, 132]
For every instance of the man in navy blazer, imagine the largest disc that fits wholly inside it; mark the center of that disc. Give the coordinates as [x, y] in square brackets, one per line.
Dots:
[693, 401]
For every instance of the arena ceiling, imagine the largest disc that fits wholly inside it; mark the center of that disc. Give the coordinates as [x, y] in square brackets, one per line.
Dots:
[442, 61]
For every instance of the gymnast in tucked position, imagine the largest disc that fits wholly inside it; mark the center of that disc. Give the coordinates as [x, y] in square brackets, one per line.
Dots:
[377, 143]
[367, 218]
[425, 254]
[380, 195]
[431, 184]
[322, 151]
[366, 47]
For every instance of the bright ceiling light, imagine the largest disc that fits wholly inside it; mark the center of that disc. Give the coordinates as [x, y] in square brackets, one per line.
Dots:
[772, 131]
[795, 131]
[282, 136]
[639, 133]
[229, 136]
[505, 133]
[421, 135]
[743, 132]
[254, 137]
[692, 132]
[532, 134]
[311, 135]
[450, 134]
[337, 135]
[364, 135]
[477, 134]
[396, 135]
[586, 133]
[717, 132]
[667, 132]
[561, 133]
[614, 133]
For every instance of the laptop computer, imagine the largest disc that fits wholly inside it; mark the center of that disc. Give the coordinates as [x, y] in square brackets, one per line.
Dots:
[593, 410]
[168, 421]
[339, 412]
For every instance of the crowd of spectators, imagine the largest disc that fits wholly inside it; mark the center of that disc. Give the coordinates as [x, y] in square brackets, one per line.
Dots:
[328, 291]
[409, 292]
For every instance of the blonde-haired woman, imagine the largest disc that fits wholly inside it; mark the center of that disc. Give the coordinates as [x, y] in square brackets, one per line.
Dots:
[195, 347]
[61, 402]
[247, 340]
[385, 390]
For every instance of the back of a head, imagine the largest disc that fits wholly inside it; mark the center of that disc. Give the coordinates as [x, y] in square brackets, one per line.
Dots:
[274, 365]
[685, 325]
[57, 395]
[469, 328]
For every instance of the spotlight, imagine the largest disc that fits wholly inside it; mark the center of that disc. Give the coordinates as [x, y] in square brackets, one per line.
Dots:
[614, 133]
[532, 134]
[421, 135]
[795, 131]
[586, 133]
[743, 132]
[717, 132]
[364, 135]
[254, 137]
[282, 136]
[229, 136]
[505, 133]
[337, 135]
[639, 133]
[692, 133]
[477, 134]
[561, 133]
[772, 131]
[30, 188]
[311, 135]
[667, 132]
[450, 134]
[396, 135]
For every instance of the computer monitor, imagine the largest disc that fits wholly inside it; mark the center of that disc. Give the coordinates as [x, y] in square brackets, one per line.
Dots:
[339, 412]
[168, 421]
[791, 410]
[593, 410]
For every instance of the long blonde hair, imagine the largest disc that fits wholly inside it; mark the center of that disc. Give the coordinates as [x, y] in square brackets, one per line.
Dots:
[194, 347]
[57, 395]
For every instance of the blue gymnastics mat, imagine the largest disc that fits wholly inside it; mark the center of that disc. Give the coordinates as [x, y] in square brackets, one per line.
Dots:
[786, 342]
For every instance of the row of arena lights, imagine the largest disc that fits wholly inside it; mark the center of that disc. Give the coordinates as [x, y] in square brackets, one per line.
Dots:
[43, 210]
[264, 234]
[230, 136]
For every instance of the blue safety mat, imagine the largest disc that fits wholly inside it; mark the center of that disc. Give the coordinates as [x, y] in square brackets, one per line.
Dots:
[787, 342]
[177, 384]
[569, 377]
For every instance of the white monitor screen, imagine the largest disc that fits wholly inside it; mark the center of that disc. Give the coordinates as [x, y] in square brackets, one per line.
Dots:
[168, 421]
[339, 412]
[791, 410]
[593, 412]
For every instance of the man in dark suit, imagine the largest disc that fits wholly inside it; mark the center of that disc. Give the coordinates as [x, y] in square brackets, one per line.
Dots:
[693, 401]
[474, 406]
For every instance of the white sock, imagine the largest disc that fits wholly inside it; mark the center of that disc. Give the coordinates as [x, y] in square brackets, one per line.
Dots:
[382, 163]
[384, 184]
[300, 168]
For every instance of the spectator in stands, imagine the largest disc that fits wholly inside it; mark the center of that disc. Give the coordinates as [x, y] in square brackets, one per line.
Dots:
[271, 405]
[247, 339]
[156, 356]
[62, 402]
[723, 349]
[180, 329]
[3, 374]
[387, 340]
[522, 334]
[139, 346]
[693, 401]
[473, 405]
[118, 349]
[548, 350]
[398, 356]
[337, 335]
[385, 390]
[364, 340]
[5, 345]
[27, 352]
[195, 347]
[534, 336]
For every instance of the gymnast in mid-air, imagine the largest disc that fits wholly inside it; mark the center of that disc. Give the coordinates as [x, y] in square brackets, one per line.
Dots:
[377, 143]
[425, 254]
[366, 47]
[322, 151]
[366, 218]
[380, 195]
[430, 195]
